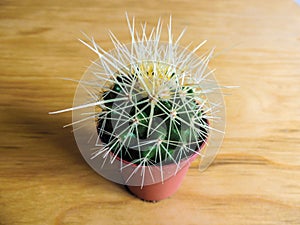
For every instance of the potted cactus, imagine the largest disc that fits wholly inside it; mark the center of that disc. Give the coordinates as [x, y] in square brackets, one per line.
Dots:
[144, 111]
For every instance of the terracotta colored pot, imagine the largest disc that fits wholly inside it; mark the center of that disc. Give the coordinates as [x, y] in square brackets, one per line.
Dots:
[160, 191]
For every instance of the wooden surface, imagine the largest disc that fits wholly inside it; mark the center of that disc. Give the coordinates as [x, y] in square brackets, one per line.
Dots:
[254, 180]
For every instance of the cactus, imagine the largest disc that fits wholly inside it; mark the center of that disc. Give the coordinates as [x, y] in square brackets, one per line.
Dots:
[163, 124]
[151, 104]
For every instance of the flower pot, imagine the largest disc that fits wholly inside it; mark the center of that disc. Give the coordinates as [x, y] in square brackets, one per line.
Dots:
[159, 191]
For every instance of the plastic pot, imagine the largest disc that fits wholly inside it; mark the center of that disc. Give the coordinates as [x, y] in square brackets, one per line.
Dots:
[159, 191]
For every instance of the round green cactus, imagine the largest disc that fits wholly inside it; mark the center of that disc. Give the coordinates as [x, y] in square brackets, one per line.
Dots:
[155, 104]
[139, 127]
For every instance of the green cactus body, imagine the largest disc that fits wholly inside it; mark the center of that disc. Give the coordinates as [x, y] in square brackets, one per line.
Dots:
[139, 127]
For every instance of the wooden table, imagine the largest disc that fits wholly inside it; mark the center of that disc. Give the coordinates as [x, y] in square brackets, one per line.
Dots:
[254, 180]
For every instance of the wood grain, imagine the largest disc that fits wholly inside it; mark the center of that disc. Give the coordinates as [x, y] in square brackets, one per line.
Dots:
[254, 179]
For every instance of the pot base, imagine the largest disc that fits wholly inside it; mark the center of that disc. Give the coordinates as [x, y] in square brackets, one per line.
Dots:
[133, 194]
